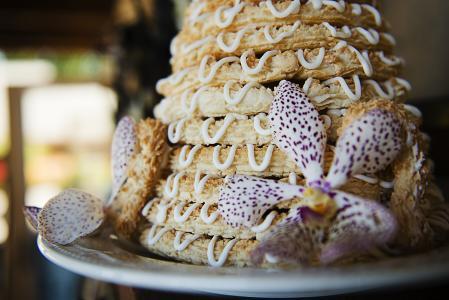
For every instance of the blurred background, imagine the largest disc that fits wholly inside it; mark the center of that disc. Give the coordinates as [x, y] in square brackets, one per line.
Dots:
[69, 69]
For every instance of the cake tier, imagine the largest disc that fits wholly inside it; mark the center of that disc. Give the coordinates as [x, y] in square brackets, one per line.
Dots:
[197, 249]
[284, 37]
[209, 18]
[253, 98]
[276, 65]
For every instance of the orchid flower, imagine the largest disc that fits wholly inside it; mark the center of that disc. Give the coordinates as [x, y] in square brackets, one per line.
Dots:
[123, 146]
[328, 224]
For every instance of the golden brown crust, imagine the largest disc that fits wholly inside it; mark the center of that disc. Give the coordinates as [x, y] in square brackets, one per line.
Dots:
[283, 65]
[144, 171]
[196, 252]
[300, 36]
[211, 101]
[257, 13]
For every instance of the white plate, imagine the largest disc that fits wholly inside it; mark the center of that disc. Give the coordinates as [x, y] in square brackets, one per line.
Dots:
[109, 260]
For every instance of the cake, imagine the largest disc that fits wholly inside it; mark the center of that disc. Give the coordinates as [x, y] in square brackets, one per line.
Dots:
[283, 139]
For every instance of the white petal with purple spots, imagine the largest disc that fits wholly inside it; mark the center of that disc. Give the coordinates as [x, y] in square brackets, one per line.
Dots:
[298, 130]
[366, 146]
[244, 199]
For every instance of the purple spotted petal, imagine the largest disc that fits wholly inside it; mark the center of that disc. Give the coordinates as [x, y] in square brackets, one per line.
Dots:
[366, 146]
[298, 130]
[359, 226]
[31, 215]
[244, 199]
[123, 145]
[70, 215]
[296, 240]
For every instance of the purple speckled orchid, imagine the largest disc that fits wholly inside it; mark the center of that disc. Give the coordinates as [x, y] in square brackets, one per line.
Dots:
[328, 224]
[123, 146]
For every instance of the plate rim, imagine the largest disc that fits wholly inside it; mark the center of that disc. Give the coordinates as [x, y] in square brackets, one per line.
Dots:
[283, 283]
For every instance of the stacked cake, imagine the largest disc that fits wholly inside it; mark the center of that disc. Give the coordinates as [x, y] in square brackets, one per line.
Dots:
[228, 62]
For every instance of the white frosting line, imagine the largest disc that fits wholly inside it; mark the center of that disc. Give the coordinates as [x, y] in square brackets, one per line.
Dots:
[177, 212]
[315, 63]
[241, 93]
[368, 179]
[199, 183]
[153, 238]
[213, 70]
[174, 79]
[174, 131]
[196, 14]
[219, 134]
[292, 178]
[228, 162]
[321, 98]
[162, 211]
[265, 224]
[307, 84]
[389, 94]
[386, 184]
[266, 160]
[185, 162]
[190, 109]
[394, 61]
[224, 254]
[208, 219]
[173, 46]
[234, 45]
[146, 208]
[374, 12]
[280, 37]
[258, 128]
[354, 96]
[185, 49]
[364, 61]
[339, 6]
[356, 9]
[404, 83]
[181, 246]
[228, 13]
[414, 110]
[371, 35]
[344, 33]
[260, 64]
[173, 191]
[294, 7]
[390, 38]
[337, 112]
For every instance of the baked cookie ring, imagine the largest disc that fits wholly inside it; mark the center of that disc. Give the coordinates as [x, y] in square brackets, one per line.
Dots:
[285, 37]
[234, 130]
[199, 250]
[202, 218]
[274, 65]
[266, 160]
[253, 98]
[209, 18]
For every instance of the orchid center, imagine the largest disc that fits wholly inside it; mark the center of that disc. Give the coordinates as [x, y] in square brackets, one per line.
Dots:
[318, 201]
